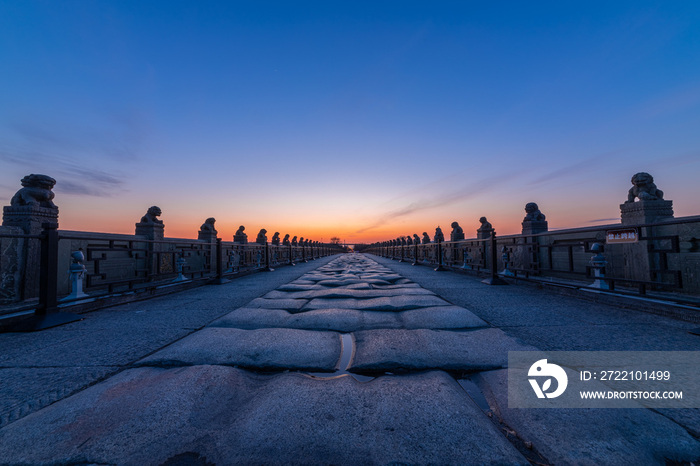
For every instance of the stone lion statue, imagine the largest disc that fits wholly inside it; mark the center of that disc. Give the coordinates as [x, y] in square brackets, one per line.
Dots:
[262, 237]
[152, 215]
[426, 238]
[485, 224]
[294, 241]
[208, 225]
[457, 233]
[644, 188]
[276, 238]
[533, 213]
[36, 191]
[286, 241]
[439, 236]
[416, 239]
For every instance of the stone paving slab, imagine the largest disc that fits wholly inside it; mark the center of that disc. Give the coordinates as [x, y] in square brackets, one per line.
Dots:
[402, 350]
[335, 293]
[596, 436]
[339, 320]
[148, 416]
[388, 276]
[288, 304]
[351, 281]
[352, 320]
[441, 317]
[265, 349]
[389, 303]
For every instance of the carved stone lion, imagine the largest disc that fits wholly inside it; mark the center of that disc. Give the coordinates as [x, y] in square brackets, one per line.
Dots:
[276, 238]
[457, 233]
[286, 241]
[208, 225]
[533, 213]
[644, 188]
[36, 192]
[439, 236]
[485, 224]
[262, 237]
[426, 238]
[151, 216]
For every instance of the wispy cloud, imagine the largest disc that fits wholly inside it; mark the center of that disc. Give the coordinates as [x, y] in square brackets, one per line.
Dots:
[468, 191]
[85, 159]
[575, 170]
[71, 177]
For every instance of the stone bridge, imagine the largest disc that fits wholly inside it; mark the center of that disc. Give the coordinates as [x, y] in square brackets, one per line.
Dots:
[350, 359]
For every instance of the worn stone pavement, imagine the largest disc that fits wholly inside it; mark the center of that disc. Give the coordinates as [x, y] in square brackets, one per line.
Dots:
[351, 362]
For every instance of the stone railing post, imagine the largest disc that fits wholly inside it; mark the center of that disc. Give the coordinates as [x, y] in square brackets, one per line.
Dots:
[645, 204]
[267, 267]
[48, 291]
[77, 272]
[494, 278]
[220, 280]
[438, 245]
[598, 264]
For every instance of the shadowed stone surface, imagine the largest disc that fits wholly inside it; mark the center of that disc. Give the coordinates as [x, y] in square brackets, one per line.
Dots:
[148, 415]
[600, 436]
[40, 368]
[267, 349]
[395, 350]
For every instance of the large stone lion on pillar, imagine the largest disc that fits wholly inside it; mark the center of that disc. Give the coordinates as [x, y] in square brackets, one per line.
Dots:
[644, 188]
[36, 192]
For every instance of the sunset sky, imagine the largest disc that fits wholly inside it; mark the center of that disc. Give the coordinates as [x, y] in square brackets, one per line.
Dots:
[363, 120]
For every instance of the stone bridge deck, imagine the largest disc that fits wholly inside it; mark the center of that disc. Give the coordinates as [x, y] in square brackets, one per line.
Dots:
[345, 360]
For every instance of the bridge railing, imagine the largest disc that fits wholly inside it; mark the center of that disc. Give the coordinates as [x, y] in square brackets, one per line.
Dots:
[58, 269]
[664, 257]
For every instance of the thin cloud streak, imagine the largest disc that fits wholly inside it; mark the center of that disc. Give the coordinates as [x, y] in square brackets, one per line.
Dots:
[71, 178]
[472, 190]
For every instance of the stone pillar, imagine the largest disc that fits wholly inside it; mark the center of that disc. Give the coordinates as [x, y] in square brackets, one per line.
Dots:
[640, 212]
[30, 208]
[29, 218]
[645, 204]
[152, 228]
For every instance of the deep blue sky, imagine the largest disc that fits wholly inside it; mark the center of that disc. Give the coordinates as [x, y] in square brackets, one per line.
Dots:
[359, 119]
